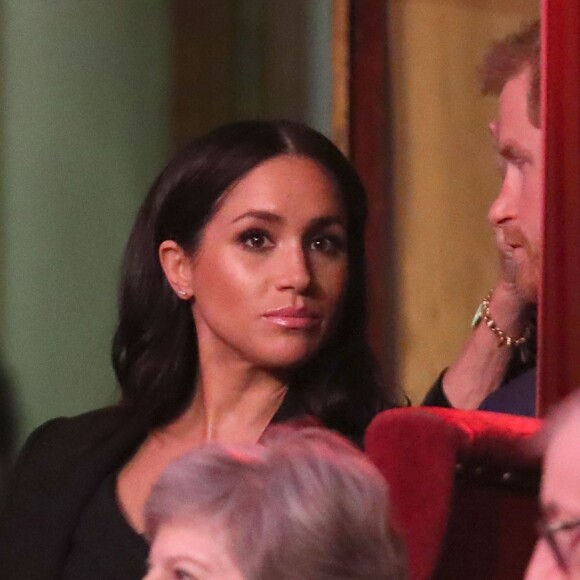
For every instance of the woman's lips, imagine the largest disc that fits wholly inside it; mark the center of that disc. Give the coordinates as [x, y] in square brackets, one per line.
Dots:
[293, 318]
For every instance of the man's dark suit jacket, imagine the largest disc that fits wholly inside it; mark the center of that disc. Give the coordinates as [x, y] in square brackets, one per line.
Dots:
[516, 397]
[517, 392]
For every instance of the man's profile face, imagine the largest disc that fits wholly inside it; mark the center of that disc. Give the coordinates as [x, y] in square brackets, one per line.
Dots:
[516, 212]
[560, 506]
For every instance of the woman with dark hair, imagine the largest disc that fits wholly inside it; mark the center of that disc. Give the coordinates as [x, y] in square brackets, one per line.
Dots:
[242, 303]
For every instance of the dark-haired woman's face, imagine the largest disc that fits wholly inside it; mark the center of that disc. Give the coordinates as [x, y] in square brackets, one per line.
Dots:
[270, 272]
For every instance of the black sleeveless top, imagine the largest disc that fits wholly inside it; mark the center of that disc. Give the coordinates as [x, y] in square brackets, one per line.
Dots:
[104, 545]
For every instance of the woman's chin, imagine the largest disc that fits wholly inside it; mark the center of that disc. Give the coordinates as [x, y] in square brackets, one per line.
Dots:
[289, 357]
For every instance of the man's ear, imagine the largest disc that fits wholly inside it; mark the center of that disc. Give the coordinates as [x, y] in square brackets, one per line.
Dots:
[177, 266]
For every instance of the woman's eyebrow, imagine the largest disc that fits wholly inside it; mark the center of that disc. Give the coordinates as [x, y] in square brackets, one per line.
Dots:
[259, 214]
[328, 220]
[320, 221]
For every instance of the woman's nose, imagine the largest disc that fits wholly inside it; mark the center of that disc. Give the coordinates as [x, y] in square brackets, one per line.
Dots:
[294, 271]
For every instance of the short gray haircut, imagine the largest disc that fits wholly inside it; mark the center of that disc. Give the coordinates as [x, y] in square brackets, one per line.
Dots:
[302, 504]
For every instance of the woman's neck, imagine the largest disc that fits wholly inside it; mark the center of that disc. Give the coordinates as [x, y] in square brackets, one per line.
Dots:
[230, 406]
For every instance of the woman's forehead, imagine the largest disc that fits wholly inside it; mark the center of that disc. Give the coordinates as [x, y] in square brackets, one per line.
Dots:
[284, 184]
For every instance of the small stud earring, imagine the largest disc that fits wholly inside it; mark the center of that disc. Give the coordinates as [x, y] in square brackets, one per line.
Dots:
[182, 293]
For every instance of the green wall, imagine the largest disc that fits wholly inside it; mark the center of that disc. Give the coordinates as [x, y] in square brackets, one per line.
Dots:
[85, 121]
[319, 66]
[281, 65]
[84, 130]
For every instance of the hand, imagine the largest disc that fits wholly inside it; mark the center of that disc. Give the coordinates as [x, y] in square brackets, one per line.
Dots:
[508, 267]
[508, 305]
[480, 367]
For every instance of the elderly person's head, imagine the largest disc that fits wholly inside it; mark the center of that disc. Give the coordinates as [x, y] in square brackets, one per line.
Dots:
[304, 504]
[557, 553]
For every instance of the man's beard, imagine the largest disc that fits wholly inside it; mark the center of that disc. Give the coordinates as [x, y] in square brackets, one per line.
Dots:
[521, 265]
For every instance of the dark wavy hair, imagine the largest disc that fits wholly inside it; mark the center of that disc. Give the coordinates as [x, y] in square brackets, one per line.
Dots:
[155, 345]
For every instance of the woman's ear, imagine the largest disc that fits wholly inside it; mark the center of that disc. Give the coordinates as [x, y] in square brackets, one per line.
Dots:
[176, 264]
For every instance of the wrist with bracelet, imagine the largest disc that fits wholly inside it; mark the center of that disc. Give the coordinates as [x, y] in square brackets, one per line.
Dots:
[504, 339]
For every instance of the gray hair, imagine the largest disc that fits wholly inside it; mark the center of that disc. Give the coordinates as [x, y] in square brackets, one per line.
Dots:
[304, 504]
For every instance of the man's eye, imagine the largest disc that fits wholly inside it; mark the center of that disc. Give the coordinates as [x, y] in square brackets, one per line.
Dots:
[518, 161]
[255, 239]
[180, 574]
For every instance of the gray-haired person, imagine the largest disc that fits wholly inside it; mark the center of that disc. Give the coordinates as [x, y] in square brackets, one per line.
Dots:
[557, 553]
[305, 504]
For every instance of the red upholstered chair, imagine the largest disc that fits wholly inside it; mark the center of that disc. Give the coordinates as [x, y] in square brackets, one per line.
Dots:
[463, 487]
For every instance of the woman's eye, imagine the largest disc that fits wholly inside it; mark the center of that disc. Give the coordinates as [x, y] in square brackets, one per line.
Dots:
[327, 244]
[256, 240]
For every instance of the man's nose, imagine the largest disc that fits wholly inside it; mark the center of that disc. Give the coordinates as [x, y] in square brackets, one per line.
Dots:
[503, 208]
[294, 270]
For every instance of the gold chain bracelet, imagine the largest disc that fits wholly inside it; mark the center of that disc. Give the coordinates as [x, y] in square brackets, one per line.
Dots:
[503, 338]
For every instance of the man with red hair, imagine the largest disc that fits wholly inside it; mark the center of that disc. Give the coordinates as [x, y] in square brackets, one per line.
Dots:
[496, 369]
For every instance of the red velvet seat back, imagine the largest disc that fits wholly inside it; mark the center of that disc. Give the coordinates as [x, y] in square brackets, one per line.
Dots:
[463, 487]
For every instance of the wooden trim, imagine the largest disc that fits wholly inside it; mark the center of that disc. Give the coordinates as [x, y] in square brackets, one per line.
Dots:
[341, 74]
[369, 148]
[559, 349]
